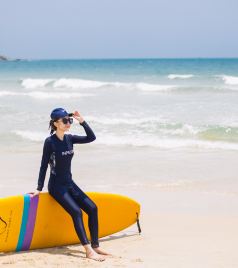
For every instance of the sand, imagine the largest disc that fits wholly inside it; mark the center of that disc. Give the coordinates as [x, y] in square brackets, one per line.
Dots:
[177, 240]
[183, 225]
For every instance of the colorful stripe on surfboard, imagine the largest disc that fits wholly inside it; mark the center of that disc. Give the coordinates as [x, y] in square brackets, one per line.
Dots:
[28, 222]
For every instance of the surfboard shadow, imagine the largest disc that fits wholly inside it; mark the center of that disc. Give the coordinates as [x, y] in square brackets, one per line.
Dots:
[119, 236]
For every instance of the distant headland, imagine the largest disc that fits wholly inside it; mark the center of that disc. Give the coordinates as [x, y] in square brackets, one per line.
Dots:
[4, 58]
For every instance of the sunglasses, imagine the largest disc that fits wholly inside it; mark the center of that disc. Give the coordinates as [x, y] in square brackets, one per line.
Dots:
[67, 120]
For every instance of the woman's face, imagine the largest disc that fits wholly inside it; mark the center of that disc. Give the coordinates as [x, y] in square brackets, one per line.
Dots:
[63, 124]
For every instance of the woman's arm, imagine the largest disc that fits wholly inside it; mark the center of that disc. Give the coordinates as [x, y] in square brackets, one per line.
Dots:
[84, 139]
[90, 134]
[44, 164]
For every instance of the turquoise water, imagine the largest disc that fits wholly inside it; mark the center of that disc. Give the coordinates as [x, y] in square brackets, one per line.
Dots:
[160, 103]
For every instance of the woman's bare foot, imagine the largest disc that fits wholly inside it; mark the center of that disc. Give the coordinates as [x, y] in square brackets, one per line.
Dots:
[101, 251]
[94, 256]
[91, 254]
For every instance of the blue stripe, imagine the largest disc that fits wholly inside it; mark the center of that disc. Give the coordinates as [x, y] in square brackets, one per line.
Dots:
[24, 221]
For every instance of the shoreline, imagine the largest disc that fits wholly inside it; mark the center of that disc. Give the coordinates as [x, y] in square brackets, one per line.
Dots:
[121, 169]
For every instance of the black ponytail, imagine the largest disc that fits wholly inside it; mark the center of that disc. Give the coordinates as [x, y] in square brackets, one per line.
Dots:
[52, 127]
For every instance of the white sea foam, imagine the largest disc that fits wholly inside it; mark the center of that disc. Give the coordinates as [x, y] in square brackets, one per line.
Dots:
[141, 141]
[153, 141]
[55, 95]
[31, 83]
[77, 83]
[7, 93]
[180, 76]
[80, 83]
[74, 83]
[230, 80]
[46, 95]
[154, 87]
[35, 136]
[126, 120]
[182, 130]
[31, 135]
[155, 123]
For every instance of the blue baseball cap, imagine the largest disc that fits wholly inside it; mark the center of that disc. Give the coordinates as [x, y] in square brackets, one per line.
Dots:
[58, 113]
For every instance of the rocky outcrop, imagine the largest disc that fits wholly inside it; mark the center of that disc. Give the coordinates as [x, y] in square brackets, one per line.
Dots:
[3, 57]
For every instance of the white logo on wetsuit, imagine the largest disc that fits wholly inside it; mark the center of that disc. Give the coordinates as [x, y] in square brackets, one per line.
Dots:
[68, 152]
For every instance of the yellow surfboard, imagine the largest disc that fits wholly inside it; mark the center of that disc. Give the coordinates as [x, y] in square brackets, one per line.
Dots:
[28, 222]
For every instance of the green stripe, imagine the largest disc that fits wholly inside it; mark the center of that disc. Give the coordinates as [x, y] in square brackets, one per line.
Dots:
[24, 221]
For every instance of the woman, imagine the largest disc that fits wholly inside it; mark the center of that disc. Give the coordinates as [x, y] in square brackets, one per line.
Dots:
[58, 153]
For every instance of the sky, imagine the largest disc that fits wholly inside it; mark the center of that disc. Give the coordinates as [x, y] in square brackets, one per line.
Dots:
[81, 29]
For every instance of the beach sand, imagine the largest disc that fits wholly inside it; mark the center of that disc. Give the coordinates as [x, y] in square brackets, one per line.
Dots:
[185, 223]
[167, 240]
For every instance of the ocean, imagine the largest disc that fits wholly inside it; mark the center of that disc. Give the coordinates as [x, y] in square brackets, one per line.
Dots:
[161, 125]
[166, 104]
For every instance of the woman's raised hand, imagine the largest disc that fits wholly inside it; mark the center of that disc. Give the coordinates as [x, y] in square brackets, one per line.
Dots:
[78, 116]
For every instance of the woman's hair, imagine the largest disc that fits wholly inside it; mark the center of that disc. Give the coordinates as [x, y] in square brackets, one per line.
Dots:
[52, 127]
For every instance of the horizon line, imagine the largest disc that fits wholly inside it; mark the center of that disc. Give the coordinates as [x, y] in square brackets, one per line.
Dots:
[123, 58]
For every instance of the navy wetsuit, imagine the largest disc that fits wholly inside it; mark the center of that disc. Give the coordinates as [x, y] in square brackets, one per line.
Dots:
[58, 154]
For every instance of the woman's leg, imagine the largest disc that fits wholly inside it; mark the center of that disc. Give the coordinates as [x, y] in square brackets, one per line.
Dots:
[90, 208]
[69, 204]
[87, 205]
